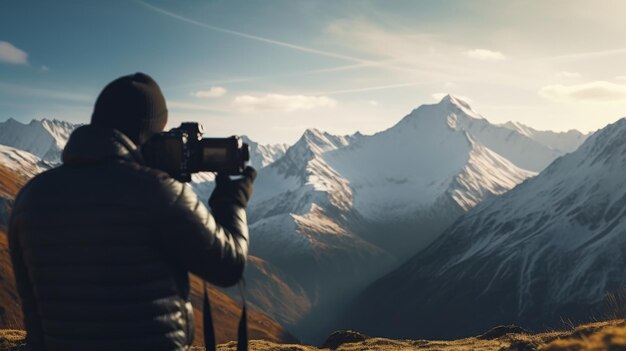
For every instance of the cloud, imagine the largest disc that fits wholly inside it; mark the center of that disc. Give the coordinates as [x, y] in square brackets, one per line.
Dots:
[439, 96]
[620, 77]
[566, 74]
[185, 106]
[11, 54]
[485, 55]
[373, 103]
[15, 89]
[213, 92]
[44, 68]
[275, 42]
[598, 91]
[285, 103]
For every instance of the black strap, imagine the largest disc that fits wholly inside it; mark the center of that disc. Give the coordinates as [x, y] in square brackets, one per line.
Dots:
[242, 333]
[209, 331]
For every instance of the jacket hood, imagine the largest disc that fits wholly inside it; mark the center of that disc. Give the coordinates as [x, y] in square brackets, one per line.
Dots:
[93, 144]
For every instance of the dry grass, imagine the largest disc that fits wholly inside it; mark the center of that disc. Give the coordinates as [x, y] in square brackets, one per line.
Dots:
[11, 340]
[608, 335]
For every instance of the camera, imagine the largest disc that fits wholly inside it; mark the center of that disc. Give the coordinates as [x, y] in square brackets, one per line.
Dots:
[182, 151]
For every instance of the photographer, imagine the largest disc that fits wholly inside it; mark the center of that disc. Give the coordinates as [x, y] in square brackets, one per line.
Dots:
[102, 245]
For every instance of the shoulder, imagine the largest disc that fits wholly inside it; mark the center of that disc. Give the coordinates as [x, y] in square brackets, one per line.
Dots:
[40, 181]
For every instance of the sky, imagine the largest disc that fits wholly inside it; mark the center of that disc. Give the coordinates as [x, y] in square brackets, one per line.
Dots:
[270, 69]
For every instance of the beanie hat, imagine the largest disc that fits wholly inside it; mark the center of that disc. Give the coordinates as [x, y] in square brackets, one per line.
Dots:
[132, 104]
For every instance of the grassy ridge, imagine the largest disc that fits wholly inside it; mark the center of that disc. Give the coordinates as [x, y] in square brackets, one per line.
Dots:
[608, 335]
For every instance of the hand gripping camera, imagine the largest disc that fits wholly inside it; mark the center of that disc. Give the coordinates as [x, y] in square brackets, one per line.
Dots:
[182, 151]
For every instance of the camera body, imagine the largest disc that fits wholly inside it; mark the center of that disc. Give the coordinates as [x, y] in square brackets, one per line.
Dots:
[182, 151]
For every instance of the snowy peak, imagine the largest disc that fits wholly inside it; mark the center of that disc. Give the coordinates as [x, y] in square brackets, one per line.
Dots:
[561, 141]
[523, 146]
[263, 155]
[319, 142]
[43, 138]
[454, 103]
[448, 110]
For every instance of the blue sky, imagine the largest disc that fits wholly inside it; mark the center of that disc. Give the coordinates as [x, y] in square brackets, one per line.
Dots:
[271, 69]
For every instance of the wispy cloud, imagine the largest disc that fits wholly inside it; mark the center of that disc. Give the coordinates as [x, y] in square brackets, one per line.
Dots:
[284, 103]
[567, 74]
[251, 36]
[185, 106]
[598, 91]
[485, 55]
[9, 53]
[311, 50]
[10, 88]
[370, 88]
[587, 55]
[212, 92]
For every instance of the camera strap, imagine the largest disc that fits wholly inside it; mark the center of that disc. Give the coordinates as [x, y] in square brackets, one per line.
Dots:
[209, 331]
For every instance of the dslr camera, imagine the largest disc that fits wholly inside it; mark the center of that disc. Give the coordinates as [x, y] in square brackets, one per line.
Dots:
[182, 151]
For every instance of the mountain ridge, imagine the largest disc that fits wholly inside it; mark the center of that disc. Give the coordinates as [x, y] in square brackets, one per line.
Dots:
[548, 250]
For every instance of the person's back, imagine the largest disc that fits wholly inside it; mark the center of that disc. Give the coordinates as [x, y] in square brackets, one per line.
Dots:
[102, 247]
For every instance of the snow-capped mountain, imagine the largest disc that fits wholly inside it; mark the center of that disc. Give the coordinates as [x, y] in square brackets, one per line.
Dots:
[549, 250]
[332, 213]
[532, 151]
[336, 211]
[43, 138]
[262, 155]
[561, 141]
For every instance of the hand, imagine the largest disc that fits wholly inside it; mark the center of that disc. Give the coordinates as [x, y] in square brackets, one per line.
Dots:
[229, 191]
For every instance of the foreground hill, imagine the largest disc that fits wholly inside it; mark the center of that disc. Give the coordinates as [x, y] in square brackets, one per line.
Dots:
[549, 250]
[599, 336]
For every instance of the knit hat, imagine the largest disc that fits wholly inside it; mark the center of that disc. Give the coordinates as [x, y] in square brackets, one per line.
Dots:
[132, 104]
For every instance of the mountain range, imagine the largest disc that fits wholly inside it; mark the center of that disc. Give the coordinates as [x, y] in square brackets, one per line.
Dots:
[550, 250]
[336, 212]
[332, 214]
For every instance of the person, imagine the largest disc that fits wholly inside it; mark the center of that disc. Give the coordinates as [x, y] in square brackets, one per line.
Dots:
[102, 245]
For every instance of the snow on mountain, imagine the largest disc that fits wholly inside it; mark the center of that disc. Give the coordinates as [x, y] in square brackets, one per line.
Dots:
[532, 152]
[343, 209]
[263, 155]
[560, 141]
[46, 138]
[43, 138]
[549, 250]
[23, 163]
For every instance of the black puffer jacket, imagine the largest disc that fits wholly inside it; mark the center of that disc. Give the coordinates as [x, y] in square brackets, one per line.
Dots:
[102, 247]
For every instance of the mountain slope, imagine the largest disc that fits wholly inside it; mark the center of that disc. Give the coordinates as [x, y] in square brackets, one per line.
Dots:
[23, 163]
[335, 212]
[42, 138]
[547, 251]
